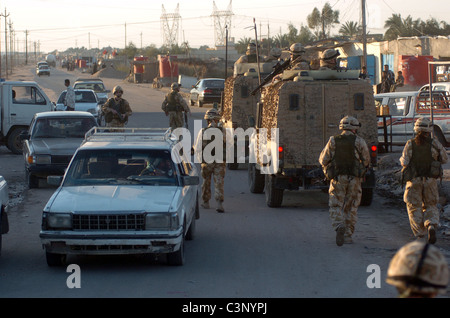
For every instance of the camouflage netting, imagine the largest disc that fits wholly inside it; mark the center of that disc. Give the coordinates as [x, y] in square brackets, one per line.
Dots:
[305, 124]
[239, 104]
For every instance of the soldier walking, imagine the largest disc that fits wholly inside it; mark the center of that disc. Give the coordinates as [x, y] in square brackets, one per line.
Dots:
[214, 167]
[347, 154]
[174, 105]
[116, 109]
[421, 193]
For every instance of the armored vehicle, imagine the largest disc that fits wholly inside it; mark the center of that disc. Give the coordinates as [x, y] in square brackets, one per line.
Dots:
[294, 121]
[239, 108]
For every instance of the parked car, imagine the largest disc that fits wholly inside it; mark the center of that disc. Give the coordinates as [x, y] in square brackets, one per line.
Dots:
[51, 141]
[439, 86]
[96, 85]
[4, 202]
[124, 192]
[405, 108]
[43, 70]
[85, 100]
[207, 90]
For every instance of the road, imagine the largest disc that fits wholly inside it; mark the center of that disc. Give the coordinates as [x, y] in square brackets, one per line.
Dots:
[250, 251]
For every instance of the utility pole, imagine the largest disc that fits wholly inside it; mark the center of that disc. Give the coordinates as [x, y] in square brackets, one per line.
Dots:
[26, 47]
[363, 8]
[11, 43]
[125, 35]
[6, 42]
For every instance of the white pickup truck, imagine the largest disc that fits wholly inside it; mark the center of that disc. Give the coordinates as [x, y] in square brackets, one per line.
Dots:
[4, 199]
[19, 101]
[405, 108]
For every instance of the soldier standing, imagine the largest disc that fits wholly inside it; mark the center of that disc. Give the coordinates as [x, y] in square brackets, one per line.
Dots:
[418, 270]
[349, 155]
[212, 167]
[116, 109]
[421, 193]
[174, 105]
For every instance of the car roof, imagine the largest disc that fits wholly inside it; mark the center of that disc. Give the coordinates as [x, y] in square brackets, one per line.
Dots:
[88, 80]
[128, 138]
[212, 78]
[62, 113]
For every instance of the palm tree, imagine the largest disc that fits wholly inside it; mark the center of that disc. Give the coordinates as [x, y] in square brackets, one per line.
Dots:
[350, 29]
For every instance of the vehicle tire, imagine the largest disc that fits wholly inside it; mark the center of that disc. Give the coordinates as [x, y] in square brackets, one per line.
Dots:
[0, 245]
[32, 181]
[14, 142]
[366, 197]
[255, 179]
[274, 196]
[55, 259]
[177, 258]
[197, 210]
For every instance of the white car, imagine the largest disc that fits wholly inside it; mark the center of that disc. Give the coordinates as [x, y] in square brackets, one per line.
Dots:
[123, 193]
[43, 70]
[85, 100]
[96, 85]
[4, 200]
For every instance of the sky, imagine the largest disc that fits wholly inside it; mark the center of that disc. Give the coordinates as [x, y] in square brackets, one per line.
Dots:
[61, 24]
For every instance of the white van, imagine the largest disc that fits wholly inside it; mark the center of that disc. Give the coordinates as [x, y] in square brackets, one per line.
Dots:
[405, 108]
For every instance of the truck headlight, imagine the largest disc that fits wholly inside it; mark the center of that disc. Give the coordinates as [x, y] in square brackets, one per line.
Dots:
[57, 220]
[161, 221]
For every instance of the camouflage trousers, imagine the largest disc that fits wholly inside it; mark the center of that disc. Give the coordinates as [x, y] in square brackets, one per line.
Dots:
[217, 171]
[344, 199]
[421, 197]
[176, 120]
[115, 123]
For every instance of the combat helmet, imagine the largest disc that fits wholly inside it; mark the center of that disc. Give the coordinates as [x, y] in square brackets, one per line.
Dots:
[423, 124]
[174, 86]
[117, 88]
[297, 49]
[212, 114]
[349, 123]
[330, 54]
[275, 52]
[251, 48]
[418, 267]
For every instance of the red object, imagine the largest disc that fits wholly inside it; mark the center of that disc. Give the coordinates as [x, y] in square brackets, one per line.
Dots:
[414, 69]
[139, 68]
[81, 63]
[168, 67]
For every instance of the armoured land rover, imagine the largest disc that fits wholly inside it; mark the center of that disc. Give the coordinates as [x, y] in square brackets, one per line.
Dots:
[294, 121]
[239, 108]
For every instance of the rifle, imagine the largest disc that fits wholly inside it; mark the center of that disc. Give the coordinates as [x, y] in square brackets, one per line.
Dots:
[277, 69]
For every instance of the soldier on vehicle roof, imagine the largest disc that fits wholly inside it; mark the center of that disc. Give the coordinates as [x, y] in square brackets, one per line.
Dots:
[297, 62]
[328, 60]
[250, 55]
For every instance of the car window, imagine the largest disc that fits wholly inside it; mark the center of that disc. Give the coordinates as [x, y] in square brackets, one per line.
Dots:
[28, 95]
[61, 127]
[96, 87]
[397, 106]
[85, 97]
[61, 98]
[214, 83]
[116, 167]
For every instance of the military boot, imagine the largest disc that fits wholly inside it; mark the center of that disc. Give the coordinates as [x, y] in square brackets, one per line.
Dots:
[431, 234]
[220, 208]
[340, 231]
[205, 204]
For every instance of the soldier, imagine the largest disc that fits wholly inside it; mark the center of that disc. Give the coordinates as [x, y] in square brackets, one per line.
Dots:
[328, 60]
[348, 154]
[116, 109]
[250, 55]
[217, 168]
[421, 193]
[418, 270]
[174, 105]
[297, 62]
[274, 55]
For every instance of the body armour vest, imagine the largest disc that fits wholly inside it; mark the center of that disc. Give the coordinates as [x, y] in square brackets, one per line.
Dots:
[172, 105]
[344, 157]
[421, 158]
[206, 142]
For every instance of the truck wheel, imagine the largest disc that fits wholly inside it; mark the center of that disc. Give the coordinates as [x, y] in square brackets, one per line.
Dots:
[366, 197]
[274, 196]
[177, 258]
[255, 179]
[55, 259]
[14, 142]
